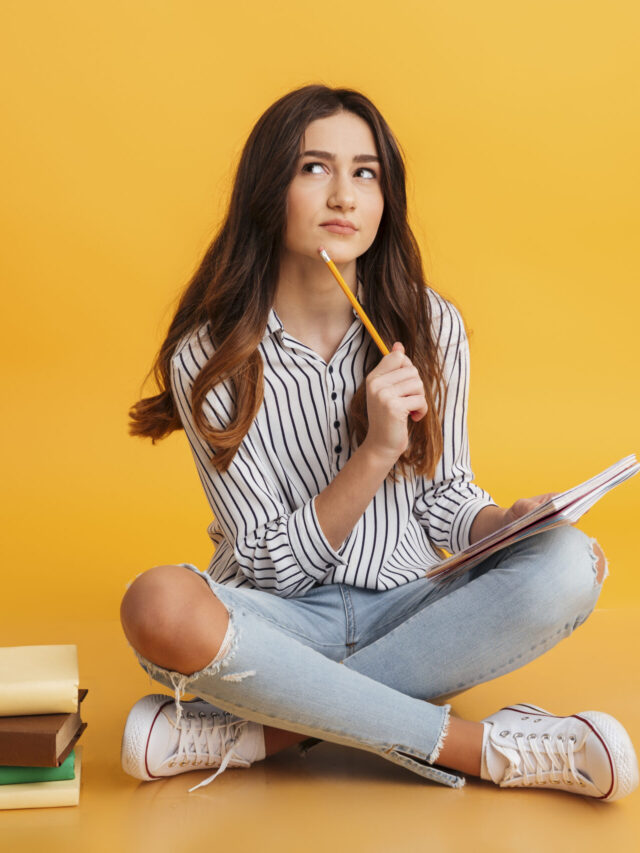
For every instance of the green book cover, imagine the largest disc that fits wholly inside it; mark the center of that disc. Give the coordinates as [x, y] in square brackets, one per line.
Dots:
[16, 775]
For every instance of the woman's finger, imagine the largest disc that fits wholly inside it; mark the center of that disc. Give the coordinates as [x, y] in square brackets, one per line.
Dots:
[541, 499]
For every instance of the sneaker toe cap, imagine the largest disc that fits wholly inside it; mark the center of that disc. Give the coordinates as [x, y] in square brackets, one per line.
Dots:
[611, 758]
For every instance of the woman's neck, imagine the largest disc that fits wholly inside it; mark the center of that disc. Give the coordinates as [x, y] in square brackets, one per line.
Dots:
[310, 302]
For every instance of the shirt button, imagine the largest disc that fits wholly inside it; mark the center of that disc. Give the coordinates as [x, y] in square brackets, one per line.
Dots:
[338, 449]
[333, 395]
[331, 370]
[336, 423]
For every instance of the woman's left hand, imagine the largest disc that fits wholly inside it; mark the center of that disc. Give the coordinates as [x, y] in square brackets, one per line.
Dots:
[524, 505]
[492, 518]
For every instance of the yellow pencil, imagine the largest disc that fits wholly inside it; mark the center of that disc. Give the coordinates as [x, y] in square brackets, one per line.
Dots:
[336, 274]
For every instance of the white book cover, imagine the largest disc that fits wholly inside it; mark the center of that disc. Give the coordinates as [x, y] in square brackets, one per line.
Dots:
[38, 680]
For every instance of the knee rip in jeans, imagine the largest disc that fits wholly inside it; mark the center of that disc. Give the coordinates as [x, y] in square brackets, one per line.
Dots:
[600, 565]
[180, 682]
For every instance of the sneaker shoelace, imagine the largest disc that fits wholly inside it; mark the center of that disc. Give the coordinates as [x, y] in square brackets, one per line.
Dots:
[557, 765]
[206, 740]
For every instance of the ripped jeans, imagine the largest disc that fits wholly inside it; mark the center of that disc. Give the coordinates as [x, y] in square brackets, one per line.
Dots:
[365, 668]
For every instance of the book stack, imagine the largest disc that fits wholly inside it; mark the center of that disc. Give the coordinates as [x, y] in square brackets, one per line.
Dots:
[40, 725]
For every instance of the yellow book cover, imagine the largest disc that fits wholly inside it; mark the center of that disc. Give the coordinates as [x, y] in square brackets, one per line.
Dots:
[37, 795]
[38, 680]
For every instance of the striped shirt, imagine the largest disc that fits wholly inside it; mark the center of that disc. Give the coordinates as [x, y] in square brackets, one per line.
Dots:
[265, 529]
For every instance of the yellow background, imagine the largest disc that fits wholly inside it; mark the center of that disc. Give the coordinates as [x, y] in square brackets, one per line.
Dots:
[122, 123]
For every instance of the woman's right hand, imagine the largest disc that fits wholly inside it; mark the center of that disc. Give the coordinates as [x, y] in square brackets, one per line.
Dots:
[394, 391]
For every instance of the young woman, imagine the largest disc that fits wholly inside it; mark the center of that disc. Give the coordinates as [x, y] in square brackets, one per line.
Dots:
[336, 476]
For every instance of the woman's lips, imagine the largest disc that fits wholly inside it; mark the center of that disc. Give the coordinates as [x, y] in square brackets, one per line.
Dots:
[339, 229]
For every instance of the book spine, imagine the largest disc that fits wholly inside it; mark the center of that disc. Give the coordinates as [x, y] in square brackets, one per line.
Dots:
[35, 796]
[29, 749]
[49, 697]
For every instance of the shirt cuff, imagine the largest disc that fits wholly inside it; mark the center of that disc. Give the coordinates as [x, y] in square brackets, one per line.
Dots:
[309, 545]
[464, 518]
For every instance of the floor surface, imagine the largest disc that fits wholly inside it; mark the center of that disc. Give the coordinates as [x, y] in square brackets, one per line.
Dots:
[335, 798]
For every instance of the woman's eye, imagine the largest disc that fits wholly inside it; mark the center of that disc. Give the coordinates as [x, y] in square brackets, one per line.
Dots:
[309, 166]
[318, 169]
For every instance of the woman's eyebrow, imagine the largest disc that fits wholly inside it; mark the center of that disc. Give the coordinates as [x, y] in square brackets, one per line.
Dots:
[327, 155]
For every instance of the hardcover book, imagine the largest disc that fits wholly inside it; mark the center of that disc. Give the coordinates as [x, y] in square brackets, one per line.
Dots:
[40, 740]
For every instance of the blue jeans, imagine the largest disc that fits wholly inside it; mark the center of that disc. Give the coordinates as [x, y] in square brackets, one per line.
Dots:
[364, 668]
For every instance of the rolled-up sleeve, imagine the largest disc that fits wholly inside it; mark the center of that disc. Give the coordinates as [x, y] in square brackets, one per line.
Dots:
[277, 549]
[447, 505]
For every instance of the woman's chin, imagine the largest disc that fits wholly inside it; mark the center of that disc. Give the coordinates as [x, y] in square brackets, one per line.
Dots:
[340, 254]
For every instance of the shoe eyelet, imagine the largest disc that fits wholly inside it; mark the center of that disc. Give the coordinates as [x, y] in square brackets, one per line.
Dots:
[504, 733]
[545, 737]
[518, 734]
[190, 714]
[537, 719]
[531, 735]
[573, 738]
[171, 763]
[201, 714]
[184, 764]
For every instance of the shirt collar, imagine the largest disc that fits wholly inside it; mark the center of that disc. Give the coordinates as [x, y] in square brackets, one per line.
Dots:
[274, 323]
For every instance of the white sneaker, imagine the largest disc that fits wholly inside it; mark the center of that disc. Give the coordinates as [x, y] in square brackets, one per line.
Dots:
[589, 753]
[154, 745]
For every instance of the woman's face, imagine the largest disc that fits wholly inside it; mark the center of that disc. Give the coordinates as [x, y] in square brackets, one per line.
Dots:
[337, 179]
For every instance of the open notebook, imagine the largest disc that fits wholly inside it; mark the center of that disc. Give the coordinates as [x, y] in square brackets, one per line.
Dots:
[565, 508]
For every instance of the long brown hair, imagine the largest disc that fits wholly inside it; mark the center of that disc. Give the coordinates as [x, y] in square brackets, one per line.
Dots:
[234, 287]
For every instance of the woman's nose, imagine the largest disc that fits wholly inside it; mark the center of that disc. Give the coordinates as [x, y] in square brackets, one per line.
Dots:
[342, 194]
